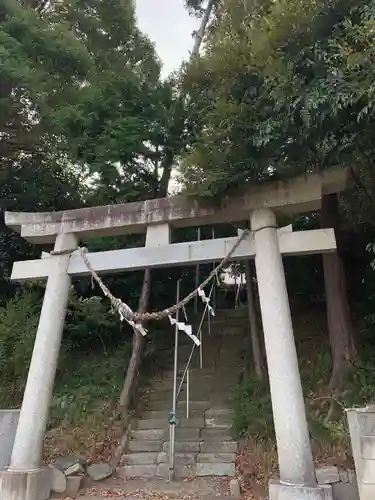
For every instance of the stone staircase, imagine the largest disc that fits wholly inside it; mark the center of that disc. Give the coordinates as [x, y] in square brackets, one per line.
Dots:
[204, 445]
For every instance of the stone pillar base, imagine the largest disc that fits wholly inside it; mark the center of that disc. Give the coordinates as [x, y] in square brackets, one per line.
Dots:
[279, 491]
[25, 485]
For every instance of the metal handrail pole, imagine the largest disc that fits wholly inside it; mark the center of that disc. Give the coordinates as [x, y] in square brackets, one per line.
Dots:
[187, 393]
[192, 350]
[185, 371]
[172, 420]
[197, 268]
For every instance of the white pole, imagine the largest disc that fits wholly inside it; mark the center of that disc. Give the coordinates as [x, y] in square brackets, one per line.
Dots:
[28, 444]
[172, 425]
[292, 435]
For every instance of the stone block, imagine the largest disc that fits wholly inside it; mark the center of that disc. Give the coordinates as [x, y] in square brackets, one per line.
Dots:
[98, 472]
[216, 457]
[216, 434]
[148, 435]
[183, 446]
[8, 429]
[344, 476]
[194, 405]
[73, 485]
[234, 488]
[144, 446]
[180, 471]
[216, 469]
[327, 475]
[279, 491]
[192, 421]
[218, 419]
[156, 414]
[58, 484]
[345, 491]
[71, 465]
[146, 424]
[186, 434]
[26, 485]
[219, 447]
[164, 406]
[137, 471]
[140, 458]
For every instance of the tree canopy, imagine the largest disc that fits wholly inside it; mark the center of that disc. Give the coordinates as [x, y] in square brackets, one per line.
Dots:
[283, 87]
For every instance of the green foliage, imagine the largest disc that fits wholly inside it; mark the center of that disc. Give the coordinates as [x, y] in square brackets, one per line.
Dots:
[90, 327]
[326, 417]
[252, 409]
[282, 89]
[87, 382]
[18, 323]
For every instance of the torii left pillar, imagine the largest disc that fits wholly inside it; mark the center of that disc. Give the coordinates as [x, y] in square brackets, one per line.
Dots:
[25, 479]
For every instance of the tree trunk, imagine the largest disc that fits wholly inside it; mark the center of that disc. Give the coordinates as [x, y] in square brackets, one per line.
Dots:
[340, 327]
[254, 330]
[132, 371]
[202, 28]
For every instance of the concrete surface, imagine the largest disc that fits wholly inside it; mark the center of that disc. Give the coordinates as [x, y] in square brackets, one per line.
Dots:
[177, 254]
[294, 195]
[8, 428]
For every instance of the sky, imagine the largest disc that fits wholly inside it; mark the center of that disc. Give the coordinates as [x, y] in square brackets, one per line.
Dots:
[169, 26]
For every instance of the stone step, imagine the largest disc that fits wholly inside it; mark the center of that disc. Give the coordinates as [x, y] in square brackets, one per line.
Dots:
[216, 457]
[160, 470]
[181, 433]
[180, 458]
[215, 434]
[216, 469]
[229, 329]
[128, 471]
[180, 471]
[218, 419]
[219, 446]
[144, 424]
[166, 405]
[164, 414]
[145, 458]
[183, 446]
[148, 435]
[135, 446]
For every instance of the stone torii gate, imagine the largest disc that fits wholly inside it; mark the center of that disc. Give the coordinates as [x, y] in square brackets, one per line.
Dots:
[25, 478]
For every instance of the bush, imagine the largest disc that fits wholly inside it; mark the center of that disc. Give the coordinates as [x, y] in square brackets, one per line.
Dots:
[253, 410]
[18, 324]
[93, 356]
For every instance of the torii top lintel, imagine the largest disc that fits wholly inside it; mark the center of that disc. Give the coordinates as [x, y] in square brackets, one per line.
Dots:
[299, 194]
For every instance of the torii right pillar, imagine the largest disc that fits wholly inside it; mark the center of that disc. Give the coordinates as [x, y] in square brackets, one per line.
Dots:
[297, 471]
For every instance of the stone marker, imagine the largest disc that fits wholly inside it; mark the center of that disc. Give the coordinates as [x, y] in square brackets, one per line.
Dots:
[234, 488]
[58, 480]
[73, 485]
[344, 476]
[74, 469]
[98, 472]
